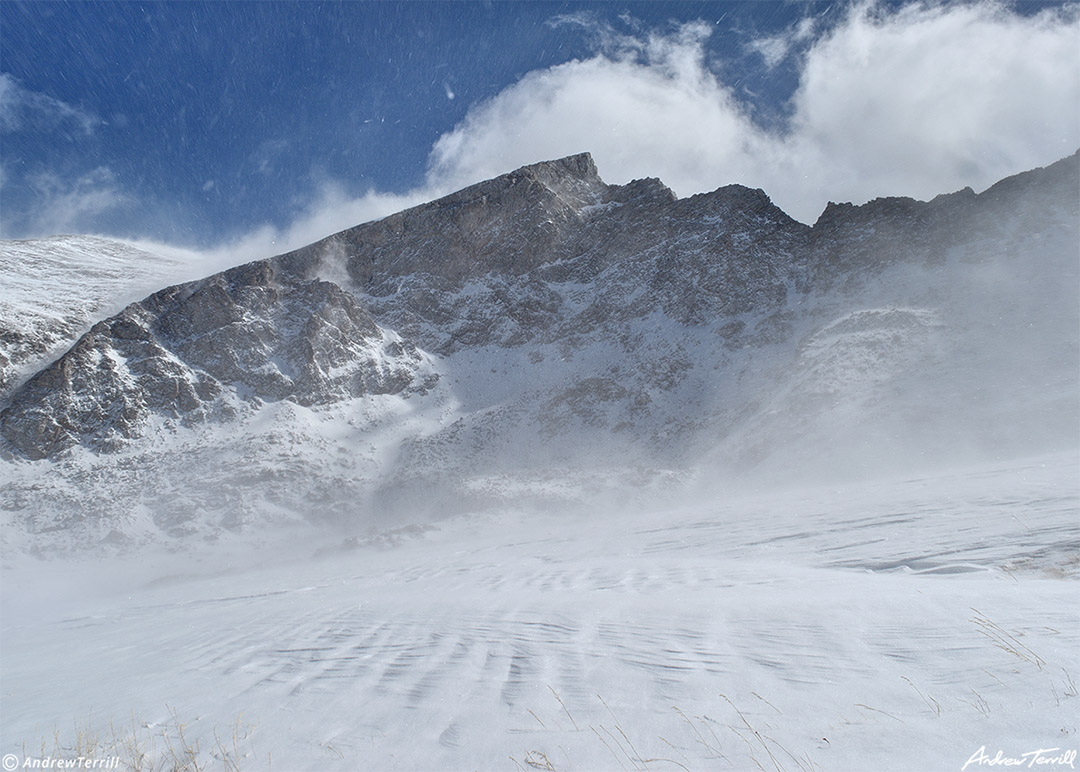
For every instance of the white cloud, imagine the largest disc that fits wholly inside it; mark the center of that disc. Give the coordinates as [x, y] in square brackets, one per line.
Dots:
[776, 48]
[663, 119]
[22, 109]
[916, 102]
[331, 211]
[66, 205]
[930, 99]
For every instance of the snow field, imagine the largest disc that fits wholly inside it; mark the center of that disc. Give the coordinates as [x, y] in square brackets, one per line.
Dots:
[889, 625]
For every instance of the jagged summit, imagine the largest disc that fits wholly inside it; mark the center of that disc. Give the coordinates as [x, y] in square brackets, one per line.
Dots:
[573, 179]
[532, 207]
[580, 167]
[1057, 174]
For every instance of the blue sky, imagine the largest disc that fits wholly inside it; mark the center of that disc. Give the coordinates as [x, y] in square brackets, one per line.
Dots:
[259, 126]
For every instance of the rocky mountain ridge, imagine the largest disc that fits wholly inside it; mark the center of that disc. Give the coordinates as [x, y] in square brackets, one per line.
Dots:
[542, 328]
[55, 288]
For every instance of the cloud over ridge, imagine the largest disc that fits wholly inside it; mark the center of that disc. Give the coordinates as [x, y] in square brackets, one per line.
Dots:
[916, 100]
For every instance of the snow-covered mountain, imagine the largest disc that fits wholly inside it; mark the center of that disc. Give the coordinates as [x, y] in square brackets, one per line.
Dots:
[546, 338]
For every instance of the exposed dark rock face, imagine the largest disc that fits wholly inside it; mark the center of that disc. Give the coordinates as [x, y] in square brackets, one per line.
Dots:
[191, 352]
[550, 251]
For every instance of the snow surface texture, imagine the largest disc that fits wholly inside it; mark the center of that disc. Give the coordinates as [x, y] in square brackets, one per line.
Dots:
[542, 339]
[894, 625]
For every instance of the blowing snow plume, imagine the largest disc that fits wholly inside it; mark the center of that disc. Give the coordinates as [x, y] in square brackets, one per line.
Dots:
[948, 335]
[544, 339]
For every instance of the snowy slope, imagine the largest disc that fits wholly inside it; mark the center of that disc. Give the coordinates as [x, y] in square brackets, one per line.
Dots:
[895, 625]
[55, 288]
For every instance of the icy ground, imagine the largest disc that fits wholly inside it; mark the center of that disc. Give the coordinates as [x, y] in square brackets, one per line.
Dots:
[889, 625]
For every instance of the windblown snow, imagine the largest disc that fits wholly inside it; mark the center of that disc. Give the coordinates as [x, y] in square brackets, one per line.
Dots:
[54, 288]
[893, 625]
